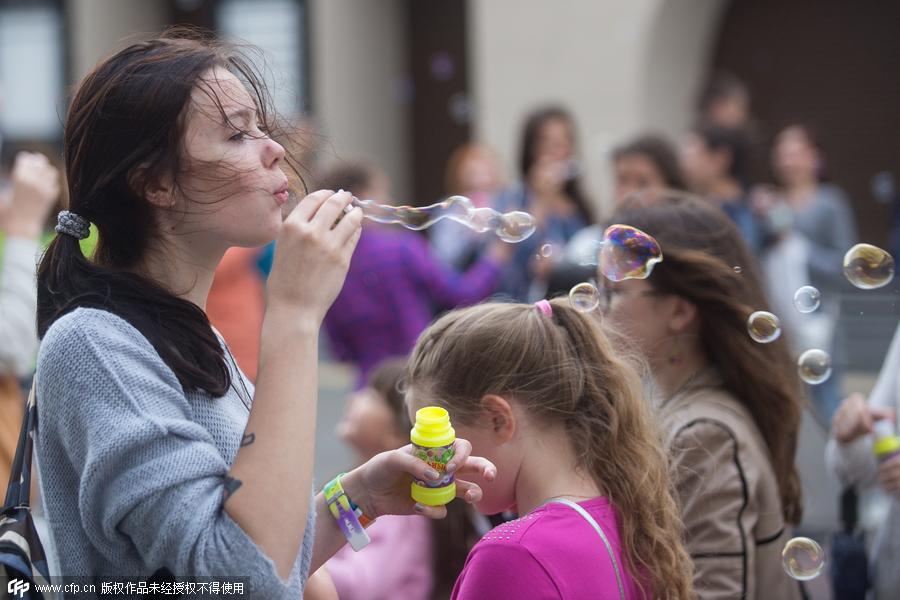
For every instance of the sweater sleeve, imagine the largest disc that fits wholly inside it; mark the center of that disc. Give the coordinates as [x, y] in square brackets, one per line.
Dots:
[713, 494]
[825, 261]
[18, 307]
[151, 479]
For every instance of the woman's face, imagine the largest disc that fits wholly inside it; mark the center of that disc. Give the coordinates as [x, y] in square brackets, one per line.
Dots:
[794, 159]
[644, 314]
[232, 188]
[636, 173]
[554, 141]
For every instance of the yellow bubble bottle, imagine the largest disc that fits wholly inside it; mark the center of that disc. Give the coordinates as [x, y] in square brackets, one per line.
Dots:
[432, 437]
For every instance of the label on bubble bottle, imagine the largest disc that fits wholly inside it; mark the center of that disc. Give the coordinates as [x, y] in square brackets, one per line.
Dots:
[432, 437]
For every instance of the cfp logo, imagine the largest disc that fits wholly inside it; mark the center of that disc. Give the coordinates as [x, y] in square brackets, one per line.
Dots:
[17, 587]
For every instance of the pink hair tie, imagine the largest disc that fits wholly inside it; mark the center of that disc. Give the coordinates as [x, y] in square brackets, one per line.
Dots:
[545, 308]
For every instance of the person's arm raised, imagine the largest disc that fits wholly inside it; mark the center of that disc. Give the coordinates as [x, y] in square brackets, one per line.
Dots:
[268, 489]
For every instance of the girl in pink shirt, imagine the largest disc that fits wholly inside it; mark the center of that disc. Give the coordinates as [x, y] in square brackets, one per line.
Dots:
[540, 392]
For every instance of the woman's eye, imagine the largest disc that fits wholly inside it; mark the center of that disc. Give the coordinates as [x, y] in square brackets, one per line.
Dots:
[237, 137]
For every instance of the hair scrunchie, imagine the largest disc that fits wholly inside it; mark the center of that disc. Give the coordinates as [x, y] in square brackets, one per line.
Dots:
[71, 224]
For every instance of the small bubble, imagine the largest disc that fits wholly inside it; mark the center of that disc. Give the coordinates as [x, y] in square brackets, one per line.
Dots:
[737, 269]
[807, 299]
[584, 297]
[442, 66]
[764, 327]
[802, 558]
[628, 253]
[868, 267]
[546, 250]
[814, 366]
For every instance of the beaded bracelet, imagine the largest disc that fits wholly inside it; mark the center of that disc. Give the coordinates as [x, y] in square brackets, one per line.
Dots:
[349, 516]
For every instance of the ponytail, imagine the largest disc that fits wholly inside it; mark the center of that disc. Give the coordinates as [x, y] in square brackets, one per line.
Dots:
[178, 329]
[621, 446]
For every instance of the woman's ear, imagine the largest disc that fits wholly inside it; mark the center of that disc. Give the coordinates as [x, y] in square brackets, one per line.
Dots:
[157, 191]
[498, 417]
[683, 315]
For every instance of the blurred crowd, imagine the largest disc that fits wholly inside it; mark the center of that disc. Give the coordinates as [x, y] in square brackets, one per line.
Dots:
[794, 222]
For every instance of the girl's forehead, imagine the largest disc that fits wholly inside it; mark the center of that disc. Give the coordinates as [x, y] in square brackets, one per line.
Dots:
[220, 91]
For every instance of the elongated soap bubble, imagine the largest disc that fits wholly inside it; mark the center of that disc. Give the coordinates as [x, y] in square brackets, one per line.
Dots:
[803, 558]
[627, 253]
[868, 267]
[510, 227]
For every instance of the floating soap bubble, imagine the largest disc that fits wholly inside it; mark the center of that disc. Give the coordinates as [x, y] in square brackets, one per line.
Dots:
[868, 267]
[584, 297]
[737, 269]
[627, 253]
[807, 299]
[764, 327]
[510, 227]
[814, 366]
[546, 251]
[802, 558]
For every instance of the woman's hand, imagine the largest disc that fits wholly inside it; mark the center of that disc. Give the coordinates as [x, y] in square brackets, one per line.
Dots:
[854, 418]
[313, 254]
[35, 189]
[381, 486]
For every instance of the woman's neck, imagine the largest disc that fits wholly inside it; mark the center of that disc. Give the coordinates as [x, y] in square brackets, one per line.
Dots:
[550, 470]
[801, 192]
[683, 359]
[179, 268]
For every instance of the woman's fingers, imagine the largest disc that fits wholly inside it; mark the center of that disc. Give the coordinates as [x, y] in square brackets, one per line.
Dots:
[331, 209]
[311, 203]
[478, 466]
[432, 512]
[461, 451]
[348, 226]
[468, 491]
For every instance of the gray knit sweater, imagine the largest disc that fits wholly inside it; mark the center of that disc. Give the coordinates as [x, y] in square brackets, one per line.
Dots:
[132, 468]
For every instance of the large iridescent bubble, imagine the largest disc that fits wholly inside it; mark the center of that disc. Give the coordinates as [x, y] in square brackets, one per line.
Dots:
[627, 253]
[510, 227]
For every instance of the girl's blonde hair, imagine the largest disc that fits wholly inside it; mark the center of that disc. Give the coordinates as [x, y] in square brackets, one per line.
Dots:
[562, 370]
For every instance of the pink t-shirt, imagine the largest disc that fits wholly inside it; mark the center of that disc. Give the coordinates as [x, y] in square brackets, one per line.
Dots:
[552, 552]
[396, 564]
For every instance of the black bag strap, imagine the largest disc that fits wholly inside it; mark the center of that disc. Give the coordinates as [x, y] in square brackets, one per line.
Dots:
[18, 492]
[849, 509]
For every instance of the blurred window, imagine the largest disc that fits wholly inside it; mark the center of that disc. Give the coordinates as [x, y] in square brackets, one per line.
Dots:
[278, 27]
[31, 70]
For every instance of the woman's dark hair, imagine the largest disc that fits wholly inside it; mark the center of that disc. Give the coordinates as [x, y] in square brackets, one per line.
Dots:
[533, 125]
[722, 86]
[701, 247]
[660, 152]
[732, 139]
[123, 134]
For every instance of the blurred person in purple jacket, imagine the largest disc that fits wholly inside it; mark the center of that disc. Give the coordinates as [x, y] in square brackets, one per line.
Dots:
[396, 285]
